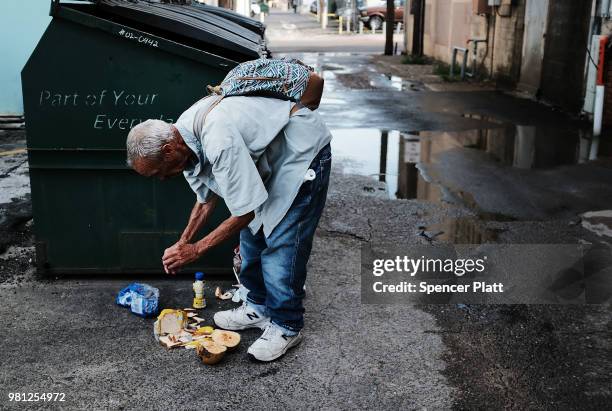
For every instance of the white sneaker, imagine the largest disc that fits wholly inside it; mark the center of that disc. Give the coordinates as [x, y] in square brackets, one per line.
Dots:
[240, 318]
[273, 344]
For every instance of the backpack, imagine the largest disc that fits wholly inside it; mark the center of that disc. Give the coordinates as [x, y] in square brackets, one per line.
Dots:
[286, 79]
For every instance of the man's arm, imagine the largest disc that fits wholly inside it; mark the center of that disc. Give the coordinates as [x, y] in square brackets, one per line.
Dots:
[182, 254]
[197, 219]
[223, 232]
[199, 215]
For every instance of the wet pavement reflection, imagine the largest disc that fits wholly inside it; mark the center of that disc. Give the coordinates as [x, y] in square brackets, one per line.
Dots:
[404, 166]
[495, 157]
[401, 159]
[462, 230]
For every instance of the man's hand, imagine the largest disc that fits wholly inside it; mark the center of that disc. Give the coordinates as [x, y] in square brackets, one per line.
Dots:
[183, 253]
[172, 248]
[199, 215]
[179, 255]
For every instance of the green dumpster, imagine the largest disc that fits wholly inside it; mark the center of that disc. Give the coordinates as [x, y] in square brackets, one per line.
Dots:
[99, 69]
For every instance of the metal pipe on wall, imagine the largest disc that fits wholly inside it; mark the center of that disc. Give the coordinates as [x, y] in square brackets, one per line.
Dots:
[600, 90]
[600, 93]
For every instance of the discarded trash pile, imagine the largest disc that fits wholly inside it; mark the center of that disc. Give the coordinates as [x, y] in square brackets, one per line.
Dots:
[181, 329]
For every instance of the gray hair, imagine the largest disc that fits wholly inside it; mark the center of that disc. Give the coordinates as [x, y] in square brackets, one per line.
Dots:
[146, 140]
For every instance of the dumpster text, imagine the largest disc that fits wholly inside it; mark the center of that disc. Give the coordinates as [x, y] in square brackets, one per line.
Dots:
[104, 98]
[138, 37]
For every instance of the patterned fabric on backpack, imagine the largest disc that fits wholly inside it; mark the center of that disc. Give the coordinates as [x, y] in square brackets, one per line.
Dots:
[280, 78]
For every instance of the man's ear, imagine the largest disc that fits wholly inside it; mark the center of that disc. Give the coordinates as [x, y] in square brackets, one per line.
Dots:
[167, 150]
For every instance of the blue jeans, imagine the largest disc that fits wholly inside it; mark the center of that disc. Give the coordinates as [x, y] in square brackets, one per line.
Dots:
[274, 268]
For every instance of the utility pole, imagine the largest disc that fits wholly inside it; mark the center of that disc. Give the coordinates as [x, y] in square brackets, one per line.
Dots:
[323, 6]
[418, 13]
[389, 29]
[355, 16]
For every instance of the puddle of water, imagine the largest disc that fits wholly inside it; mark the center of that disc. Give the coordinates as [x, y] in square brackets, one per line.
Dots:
[463, 230]
[530, 147]
[400, 160]
[369, 152]
[360, 79]
[598, 222]
[400, 84]
[523, 147]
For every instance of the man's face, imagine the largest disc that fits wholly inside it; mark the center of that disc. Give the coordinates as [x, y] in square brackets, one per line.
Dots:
[172, 163]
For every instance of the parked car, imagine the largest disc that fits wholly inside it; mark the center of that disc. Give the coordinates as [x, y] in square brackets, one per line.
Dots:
[374, 16]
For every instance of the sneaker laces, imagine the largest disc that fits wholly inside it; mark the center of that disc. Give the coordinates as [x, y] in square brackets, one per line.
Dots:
[269, 332]
[240, 308]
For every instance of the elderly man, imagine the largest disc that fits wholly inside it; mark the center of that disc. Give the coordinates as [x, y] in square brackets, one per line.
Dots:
[269, 160]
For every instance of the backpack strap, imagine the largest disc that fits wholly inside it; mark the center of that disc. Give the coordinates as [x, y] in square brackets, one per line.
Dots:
[213, 105]
[198, 128]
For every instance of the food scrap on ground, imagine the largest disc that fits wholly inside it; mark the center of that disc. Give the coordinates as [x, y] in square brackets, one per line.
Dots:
[230, 339]
[181, 329]
[211, 351]
[170, 322]
[224, 295]
[175, 340]
[206, 330]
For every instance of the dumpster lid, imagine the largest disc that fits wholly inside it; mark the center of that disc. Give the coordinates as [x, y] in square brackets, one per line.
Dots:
[246, 22]
[223, 22]
[189, 25]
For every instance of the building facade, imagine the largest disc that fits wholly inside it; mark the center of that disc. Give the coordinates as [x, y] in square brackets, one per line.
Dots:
[531, 45]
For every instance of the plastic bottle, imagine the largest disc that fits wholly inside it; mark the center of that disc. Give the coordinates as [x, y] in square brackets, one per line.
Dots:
[198, 289]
